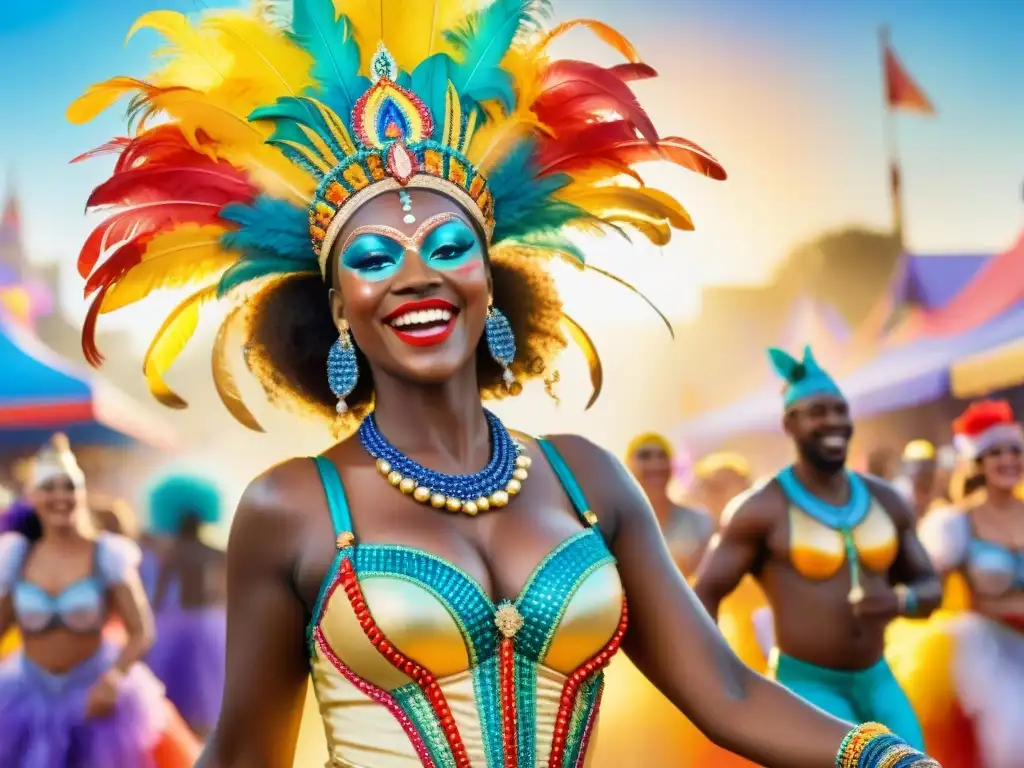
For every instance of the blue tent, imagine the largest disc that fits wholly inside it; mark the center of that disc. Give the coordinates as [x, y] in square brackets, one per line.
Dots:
[901, 377]
[40, 393]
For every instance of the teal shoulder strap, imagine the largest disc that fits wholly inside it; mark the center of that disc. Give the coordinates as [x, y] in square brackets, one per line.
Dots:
[335, 491]
[568, 481]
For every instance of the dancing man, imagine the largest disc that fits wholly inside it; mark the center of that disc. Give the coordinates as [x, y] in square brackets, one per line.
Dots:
[837, 556]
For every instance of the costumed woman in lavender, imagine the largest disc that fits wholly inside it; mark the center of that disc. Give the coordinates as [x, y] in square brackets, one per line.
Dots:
[188, 655]
[970, 665]
[377, 193]
[69, 697]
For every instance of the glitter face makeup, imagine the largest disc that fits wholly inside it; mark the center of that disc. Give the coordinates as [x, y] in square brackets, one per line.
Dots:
[444, 241]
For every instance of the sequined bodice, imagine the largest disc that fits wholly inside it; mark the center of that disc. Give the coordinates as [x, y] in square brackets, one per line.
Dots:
[993, 569]
[414, 664]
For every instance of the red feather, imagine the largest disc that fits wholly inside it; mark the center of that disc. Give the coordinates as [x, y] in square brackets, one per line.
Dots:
[628, 73]
[114, 146]
[576, 92]
[164, 144]
[203, 181]
[90, 351]
[131, 223]
[616, 143]
[982, 416]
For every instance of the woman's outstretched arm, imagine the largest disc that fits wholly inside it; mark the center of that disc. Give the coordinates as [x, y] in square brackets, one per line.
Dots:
[267, 663]
[673, 641]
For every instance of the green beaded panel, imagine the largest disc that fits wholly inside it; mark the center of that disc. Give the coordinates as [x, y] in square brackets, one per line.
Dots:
[414, 703]
[587, 701]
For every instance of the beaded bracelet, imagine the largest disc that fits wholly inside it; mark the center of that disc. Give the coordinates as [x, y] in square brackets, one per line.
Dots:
[872, 745]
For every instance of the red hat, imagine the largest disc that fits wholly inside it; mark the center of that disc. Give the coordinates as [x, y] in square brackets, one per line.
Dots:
[984, 425]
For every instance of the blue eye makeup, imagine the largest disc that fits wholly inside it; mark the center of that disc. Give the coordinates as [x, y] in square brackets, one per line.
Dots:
[451, 245]
[373, 257]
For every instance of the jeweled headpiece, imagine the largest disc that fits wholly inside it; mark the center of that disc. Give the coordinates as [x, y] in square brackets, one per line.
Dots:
[804, 378]
[272, 132]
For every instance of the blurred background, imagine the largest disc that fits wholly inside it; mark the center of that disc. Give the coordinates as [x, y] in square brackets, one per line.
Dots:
[874, 207]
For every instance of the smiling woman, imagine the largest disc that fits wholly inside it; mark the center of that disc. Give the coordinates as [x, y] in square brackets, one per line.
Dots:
[380, 187]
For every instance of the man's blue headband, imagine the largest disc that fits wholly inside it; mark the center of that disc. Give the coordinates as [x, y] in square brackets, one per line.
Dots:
[803, 379]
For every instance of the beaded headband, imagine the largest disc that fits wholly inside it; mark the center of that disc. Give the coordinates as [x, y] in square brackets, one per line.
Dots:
[392, 126]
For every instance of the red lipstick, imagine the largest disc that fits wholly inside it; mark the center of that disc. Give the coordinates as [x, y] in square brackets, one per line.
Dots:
[424, 323]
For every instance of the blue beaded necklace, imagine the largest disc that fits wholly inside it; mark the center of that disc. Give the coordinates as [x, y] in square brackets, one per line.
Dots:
[848, 515]
[491, 487]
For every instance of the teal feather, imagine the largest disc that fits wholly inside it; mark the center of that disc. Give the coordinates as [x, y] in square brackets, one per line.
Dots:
[334, 51]
[430, 82]
[522, 200]
[288, 112]
[269, 225]
[785, 365]
[483, 40]
[248, 270]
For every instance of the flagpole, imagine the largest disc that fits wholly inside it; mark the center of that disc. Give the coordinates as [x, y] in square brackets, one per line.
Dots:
[892, 147]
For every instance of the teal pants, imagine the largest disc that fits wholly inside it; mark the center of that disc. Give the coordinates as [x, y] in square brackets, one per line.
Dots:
[867, 695]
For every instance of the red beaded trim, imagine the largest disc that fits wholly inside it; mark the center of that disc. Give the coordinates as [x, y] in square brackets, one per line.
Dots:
[378, 695]
[572, 686]
[348, 579]
[509, 718]
[581, 758]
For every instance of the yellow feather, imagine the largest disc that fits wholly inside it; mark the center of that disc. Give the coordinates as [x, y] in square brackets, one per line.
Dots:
[452, 117]
[586, 344]
[500, 133]
[336, 126]
[194, 59]
[628, 205]
[235, 57]
[167, 345]
[613, 37]
[187, 257]
[224, 378]
[101, 97]
[262, 54]
[321, 146]
[411, 30]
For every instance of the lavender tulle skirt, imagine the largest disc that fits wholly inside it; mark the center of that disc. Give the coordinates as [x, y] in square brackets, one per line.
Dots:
[43, 723]
[188, 657]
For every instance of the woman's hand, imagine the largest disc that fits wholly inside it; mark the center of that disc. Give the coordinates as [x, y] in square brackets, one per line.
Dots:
[103, 696]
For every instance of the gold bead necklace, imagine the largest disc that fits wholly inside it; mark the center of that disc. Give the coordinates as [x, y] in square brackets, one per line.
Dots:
[426, 496]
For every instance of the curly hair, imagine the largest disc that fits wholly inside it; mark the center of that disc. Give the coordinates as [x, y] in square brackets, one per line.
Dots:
[290, 331]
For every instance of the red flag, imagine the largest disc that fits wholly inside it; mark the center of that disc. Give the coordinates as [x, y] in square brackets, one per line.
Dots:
[901, 90]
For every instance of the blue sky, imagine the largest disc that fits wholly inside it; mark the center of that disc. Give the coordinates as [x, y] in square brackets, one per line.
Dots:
[786, 92]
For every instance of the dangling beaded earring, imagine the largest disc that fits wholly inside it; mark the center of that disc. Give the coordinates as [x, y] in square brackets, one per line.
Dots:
[342, 367]
[500, 342]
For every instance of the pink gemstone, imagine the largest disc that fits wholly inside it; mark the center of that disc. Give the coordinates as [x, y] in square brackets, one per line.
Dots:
[401, 163]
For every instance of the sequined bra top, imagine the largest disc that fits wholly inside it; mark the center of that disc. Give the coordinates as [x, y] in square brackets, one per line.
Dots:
[413, 664]
[81, 607]
[950, 540]
[822, 541]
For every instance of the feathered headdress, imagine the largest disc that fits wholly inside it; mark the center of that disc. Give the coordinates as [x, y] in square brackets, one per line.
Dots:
[984, 425]
[803, 378]
[265, 129]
